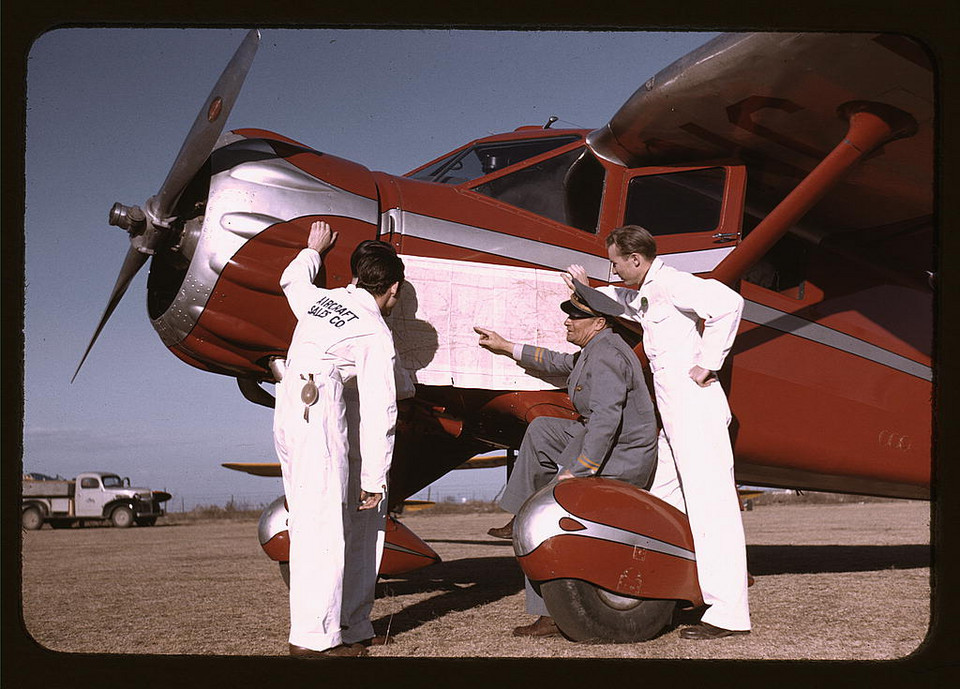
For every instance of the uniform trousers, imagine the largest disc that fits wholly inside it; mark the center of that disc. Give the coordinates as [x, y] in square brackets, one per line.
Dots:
[546, 439]
[695, 474]
[313, 459]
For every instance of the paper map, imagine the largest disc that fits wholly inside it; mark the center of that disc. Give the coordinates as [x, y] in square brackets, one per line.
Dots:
[433, 322]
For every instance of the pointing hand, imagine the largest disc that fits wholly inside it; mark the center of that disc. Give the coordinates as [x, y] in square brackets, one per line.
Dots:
[493, 341]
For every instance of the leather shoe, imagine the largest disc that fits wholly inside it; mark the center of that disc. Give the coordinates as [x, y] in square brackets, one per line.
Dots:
[505, 531]
[343, 650]
[375, 641]
[544, 626]
[708, 631]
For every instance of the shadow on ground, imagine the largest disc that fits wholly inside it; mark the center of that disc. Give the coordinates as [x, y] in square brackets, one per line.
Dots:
[819, 559]
[464, 584]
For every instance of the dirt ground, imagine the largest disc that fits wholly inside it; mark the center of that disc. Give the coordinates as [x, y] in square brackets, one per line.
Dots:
[842, 581]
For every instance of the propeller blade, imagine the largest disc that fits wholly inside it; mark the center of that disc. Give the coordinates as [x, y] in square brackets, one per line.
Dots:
[132, 263]
[206, 128]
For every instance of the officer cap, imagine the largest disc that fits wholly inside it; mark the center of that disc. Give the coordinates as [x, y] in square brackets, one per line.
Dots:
[595, 302]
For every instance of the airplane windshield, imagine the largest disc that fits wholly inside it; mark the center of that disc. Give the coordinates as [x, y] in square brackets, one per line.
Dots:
[482, 159]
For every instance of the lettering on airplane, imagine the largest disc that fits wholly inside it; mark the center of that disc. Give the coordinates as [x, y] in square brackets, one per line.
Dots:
[741, 115]
[894, 440]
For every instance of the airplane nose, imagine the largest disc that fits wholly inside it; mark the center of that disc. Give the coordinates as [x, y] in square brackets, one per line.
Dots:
[215, 298]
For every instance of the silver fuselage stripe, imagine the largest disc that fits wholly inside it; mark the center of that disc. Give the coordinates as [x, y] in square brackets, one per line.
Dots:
[531, 250]
[500, 244]
[808, 330]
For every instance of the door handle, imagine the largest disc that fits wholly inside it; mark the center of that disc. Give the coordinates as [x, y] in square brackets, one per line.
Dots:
[725, 236]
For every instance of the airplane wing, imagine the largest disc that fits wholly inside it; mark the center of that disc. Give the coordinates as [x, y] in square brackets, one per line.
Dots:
[773, 101]
[268, 469]
[272, 469]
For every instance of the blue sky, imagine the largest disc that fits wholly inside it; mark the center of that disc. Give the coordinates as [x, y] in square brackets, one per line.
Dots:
[107, 110]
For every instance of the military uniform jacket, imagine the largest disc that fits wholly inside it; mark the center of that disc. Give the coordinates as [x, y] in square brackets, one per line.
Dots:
[618, 429]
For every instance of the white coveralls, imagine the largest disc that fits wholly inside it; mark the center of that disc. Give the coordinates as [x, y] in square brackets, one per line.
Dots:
[340, 336]
[695, 459]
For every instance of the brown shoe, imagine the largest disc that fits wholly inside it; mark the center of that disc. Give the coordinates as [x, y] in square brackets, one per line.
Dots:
[341, 651]
[505, 531]
[544, 626]
[708, 631]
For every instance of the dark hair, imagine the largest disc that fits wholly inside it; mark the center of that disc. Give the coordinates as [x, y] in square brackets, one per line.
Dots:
[376, 266]
[633, 239]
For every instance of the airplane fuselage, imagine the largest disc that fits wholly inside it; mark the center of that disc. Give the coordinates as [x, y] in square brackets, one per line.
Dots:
[829, 380]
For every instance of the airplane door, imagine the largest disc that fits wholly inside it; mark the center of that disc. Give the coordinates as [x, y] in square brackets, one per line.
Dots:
[694, 213]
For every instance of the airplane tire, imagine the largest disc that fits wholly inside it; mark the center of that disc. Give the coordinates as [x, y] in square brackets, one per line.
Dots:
[122, 517]
[585, 612]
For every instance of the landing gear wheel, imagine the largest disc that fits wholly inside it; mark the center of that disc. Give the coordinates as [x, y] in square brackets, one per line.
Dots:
[585, 612]
[31, 519]
[122, 517]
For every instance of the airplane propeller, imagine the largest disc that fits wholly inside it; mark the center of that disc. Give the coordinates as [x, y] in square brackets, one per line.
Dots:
[149, 226]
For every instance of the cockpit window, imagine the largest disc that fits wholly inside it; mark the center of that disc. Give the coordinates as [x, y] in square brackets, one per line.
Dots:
[567, 188]
[482, 159]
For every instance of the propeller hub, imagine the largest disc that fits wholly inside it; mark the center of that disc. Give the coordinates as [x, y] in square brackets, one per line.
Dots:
[130, 218]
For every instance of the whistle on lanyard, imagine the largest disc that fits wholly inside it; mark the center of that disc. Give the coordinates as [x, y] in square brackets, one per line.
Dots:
[309, 395]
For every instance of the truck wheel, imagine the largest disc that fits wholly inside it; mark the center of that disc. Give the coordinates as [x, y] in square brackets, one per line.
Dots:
[146, 521]
[122, 517]
[585, 612]
[31, 519]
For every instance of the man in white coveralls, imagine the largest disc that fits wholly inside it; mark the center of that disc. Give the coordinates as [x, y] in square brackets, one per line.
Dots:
[340, 335]
[695, 459]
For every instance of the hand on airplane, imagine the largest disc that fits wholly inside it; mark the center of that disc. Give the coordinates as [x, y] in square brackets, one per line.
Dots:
[321, 236]
[369, 501]
[493, 341]
[575, 272]
[703, 377]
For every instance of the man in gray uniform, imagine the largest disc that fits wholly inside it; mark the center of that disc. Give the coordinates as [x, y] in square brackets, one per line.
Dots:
[615, 436]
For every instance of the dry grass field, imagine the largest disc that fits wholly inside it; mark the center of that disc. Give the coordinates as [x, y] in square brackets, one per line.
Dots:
[833, 582]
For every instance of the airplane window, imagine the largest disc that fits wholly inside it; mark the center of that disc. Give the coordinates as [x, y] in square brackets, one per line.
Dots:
[483, 159]
[567, 189]
[677, 202]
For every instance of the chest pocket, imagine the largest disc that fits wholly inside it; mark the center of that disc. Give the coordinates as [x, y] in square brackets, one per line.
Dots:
[656, 313]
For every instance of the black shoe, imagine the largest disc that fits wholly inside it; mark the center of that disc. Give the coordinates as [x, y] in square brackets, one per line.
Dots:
[708, 631]
[505, 531]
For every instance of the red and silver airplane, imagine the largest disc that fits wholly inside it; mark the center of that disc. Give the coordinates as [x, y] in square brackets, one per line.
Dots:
[797, 168]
